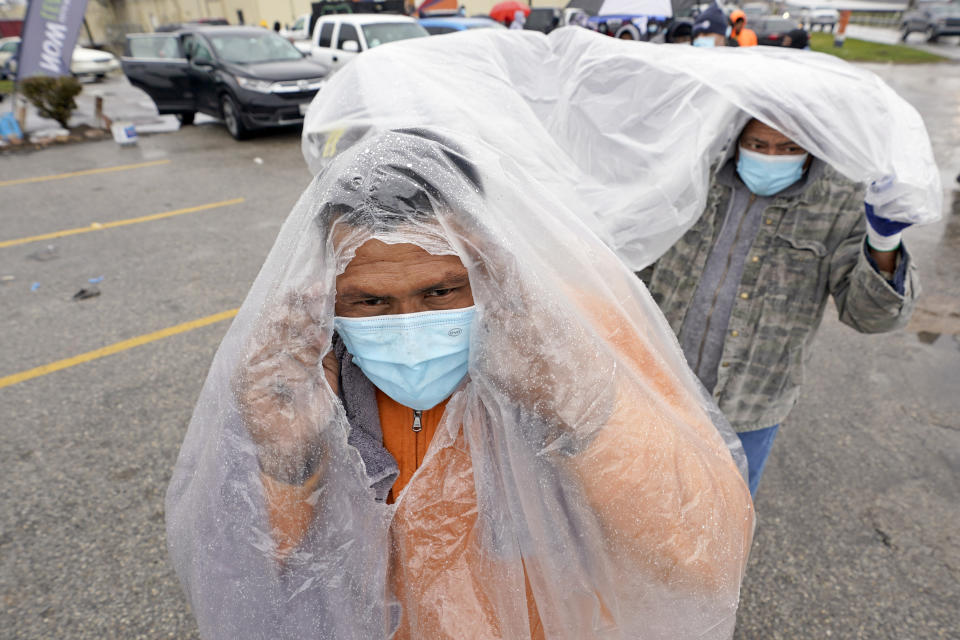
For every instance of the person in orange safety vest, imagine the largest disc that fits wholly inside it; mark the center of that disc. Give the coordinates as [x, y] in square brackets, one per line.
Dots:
[744, 37]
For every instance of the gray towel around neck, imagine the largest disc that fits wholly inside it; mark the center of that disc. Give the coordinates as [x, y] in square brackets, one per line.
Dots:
[359, 398]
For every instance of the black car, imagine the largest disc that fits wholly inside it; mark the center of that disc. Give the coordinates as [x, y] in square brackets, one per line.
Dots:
[933, 21]
[250, 77]
[199, 22]
[543, 19]
[770, 30]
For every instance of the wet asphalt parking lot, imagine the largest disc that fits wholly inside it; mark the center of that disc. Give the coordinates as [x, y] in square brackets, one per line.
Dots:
[858, 511]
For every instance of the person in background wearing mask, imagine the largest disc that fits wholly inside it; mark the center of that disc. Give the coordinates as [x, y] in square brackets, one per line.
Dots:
[746, 287]
[744, 37]
[710, 29]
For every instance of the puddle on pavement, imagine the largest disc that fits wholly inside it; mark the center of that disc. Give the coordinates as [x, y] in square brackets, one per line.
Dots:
[938, 308]
[939, 354]
[935, 315]
[936, 320]
[945, 341]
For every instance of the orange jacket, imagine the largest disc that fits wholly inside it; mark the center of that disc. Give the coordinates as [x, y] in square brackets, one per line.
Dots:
[405, 444]
[746, 37]
[288, 506]
[674, 505]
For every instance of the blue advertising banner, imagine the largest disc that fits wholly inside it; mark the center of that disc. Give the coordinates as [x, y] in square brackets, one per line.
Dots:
[50, 33]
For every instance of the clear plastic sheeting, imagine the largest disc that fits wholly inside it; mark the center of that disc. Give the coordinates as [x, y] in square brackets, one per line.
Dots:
[625, 134]
[580, 485]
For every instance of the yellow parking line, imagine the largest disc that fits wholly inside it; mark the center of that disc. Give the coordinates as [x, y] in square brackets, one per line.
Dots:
[117, 347]
[85, 172]
[98, 226]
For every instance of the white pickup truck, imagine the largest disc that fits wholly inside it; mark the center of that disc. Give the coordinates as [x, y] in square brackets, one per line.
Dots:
[299, 33]
[338, 38]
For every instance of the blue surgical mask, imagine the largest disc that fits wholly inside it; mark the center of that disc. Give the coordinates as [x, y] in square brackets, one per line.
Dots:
[766, 175]
[704, 41]
[417, 359]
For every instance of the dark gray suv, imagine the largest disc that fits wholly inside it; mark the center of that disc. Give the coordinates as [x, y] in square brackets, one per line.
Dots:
[249, 77]
[933, 21]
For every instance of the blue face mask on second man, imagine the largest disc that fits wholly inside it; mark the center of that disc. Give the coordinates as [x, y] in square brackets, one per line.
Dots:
[417, 359]
[766, 175]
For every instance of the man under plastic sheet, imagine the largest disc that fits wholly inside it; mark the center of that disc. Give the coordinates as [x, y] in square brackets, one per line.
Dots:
[712, 29]
[446, 410]
[783, 226]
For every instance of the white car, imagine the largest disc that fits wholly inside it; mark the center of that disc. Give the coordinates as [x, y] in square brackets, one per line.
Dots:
[85, 62]
[338, 38]
[8, 47]
[93, 62]
[823, 17]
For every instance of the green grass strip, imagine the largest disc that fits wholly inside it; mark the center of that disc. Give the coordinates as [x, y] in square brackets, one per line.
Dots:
[855, 50]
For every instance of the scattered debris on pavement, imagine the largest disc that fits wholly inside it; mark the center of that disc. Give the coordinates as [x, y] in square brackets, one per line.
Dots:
[42, 139]
[124, 133]
[87, 292]
[46, 136]
[10, 132]
[49, 252]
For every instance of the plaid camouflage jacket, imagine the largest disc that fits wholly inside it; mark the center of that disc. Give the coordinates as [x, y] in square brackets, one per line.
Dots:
[810, 245]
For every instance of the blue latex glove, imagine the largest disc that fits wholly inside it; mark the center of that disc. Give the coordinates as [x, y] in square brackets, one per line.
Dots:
[883, 234]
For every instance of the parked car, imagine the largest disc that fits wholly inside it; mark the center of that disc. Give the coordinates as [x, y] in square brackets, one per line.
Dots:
[755, 10]
[543, 19]
[299, 33]
[452, 24]
[823, 17]
[574, 16]
[8, 49]
[199, 22]
[300, 29]
[250, 77]
[339, 37]
[933, 21]
[85, 63]
[771, 29]
[93, 62]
